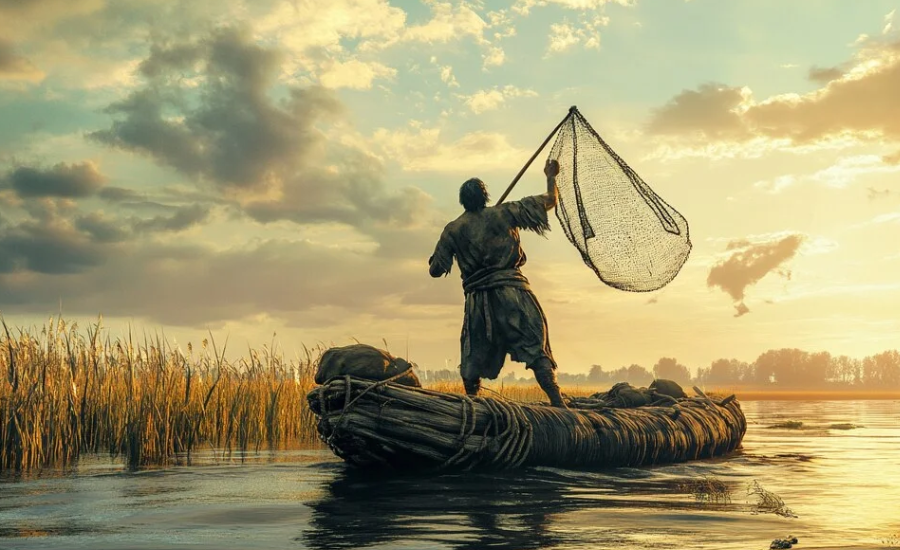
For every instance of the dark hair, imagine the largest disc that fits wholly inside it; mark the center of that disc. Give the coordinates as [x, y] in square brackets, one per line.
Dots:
[473, 195]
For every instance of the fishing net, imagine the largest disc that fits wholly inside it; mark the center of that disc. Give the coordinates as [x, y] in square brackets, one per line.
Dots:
[629, 236]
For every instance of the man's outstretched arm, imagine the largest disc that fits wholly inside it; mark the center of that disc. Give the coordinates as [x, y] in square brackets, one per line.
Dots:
[551, 197]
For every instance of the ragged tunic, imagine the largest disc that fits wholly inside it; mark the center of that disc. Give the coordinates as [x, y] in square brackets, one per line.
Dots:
[502, 315]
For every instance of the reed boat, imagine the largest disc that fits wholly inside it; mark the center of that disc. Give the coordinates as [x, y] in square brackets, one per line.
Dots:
[382, 424]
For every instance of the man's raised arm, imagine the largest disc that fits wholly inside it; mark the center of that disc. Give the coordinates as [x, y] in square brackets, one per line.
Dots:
[551, 170]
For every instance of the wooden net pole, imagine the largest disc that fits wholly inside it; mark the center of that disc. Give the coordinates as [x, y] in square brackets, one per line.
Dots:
[515, 180]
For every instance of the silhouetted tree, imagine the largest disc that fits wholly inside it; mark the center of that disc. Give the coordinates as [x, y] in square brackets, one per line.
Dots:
[668, 367]
[725, 372]
[882, 369]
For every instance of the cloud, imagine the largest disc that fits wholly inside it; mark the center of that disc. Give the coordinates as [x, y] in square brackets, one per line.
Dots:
[192, 285]
[487, 100]
[62, 180]
[207, 111]
[524, 6]
[565, 35]
[183, 218]
[749, 261]
[118, 194]
[825, 75]
[15, 67]
[101, 229]
[420, 149]
[893, 158]
[355, 74]
[448, 22]
[446, 72]
[845, 172]
[48, 246]
[877, 194]
[710, 112]
[859, 104]
[494, 57]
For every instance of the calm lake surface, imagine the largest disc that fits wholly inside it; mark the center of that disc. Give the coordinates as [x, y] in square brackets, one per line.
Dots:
[842, 484]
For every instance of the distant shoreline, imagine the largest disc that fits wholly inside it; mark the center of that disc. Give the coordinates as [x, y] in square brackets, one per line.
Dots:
[810, 395]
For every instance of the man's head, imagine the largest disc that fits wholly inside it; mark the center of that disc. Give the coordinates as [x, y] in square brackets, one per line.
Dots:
[473, 195]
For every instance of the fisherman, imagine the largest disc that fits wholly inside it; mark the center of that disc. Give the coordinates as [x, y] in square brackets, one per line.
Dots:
[502, 315]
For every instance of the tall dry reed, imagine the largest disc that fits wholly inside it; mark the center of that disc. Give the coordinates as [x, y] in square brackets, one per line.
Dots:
[64, 393]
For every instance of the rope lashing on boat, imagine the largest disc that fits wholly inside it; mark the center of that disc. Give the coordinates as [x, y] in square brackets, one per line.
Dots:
[510, 447]
[348, 404]
[408, 427]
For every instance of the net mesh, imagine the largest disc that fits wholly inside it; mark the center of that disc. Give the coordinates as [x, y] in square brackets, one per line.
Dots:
[629, 236]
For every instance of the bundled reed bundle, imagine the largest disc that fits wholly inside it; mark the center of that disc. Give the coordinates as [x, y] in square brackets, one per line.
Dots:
[369, 423]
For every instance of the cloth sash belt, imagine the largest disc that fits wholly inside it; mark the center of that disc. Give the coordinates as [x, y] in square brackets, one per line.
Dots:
[477, 304]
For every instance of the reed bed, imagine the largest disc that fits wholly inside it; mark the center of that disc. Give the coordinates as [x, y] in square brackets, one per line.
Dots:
[64, 393]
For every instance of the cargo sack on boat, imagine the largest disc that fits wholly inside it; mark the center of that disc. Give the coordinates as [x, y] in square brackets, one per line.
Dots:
[667, 387]
[364, 361]
[624, 395]
[629, 236]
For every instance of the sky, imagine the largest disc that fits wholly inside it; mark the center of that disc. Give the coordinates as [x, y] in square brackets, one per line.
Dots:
[279, 171]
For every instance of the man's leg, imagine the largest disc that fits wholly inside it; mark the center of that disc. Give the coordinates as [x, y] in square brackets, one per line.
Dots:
[472, 386]
[545, 375]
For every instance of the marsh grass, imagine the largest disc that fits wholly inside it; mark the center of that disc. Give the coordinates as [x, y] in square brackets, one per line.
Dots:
[708, 489]
[517, 392]
[64, 393]
[892, 541]
[768, 502]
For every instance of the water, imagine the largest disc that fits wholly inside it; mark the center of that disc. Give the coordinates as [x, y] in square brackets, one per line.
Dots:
[843, 485]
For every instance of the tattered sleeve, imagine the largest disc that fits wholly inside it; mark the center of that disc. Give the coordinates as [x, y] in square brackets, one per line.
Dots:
[529, 213]
[442, 260]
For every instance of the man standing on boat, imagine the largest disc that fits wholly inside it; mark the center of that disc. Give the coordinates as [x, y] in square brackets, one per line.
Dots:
[502, 315]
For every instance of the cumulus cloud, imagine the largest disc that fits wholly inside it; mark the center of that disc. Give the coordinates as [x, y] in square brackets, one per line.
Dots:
[355, 74]
[48, 245]
[449, 21]
[856, 102]
[62, 180]
[748, 261]
[249, 146]
[824, 75]
[565, 35]
[487, 100]
[446, 72]
[710, 112]
[221, 127]
[524, 6]
[420, 149]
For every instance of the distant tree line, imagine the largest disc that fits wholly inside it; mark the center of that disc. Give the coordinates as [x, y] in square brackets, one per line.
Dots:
[787, 368]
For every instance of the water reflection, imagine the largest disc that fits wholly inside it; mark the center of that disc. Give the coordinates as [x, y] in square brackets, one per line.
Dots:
[461, 512]
[844, 485]
[518, 510]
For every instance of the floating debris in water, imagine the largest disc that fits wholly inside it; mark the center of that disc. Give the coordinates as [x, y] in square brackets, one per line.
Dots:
[789, 425]
[845, 426]
[708, 489]
[787, 542]
[769, 502]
